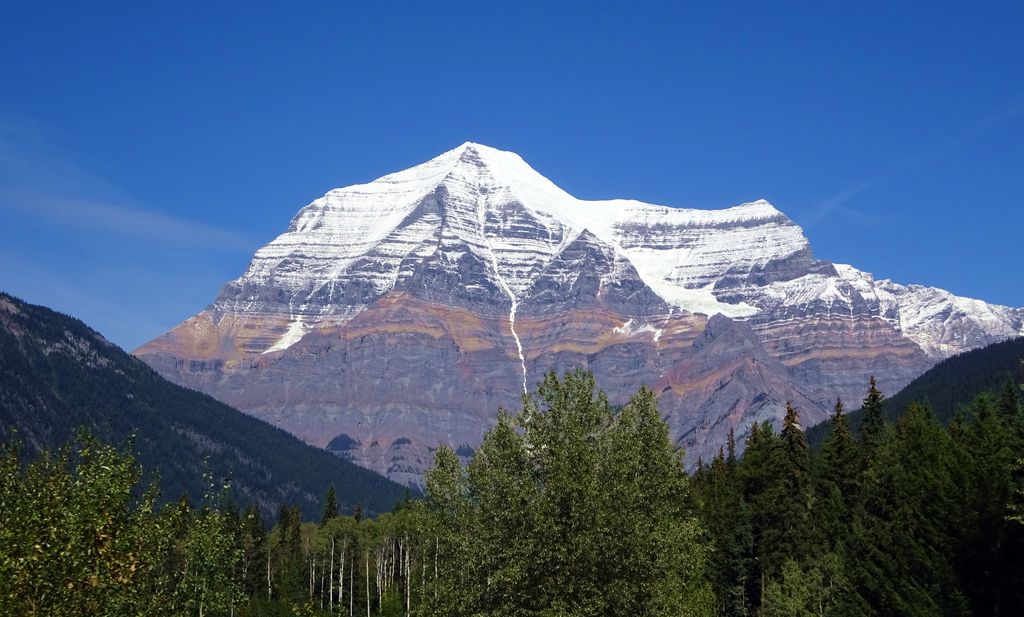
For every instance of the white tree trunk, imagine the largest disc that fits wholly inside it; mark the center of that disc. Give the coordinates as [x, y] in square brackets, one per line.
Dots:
[341, 580]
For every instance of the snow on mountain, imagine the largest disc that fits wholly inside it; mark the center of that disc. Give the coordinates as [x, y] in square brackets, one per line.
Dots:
[500, 209]
[944, 324]
[403, 312]
[516, 221]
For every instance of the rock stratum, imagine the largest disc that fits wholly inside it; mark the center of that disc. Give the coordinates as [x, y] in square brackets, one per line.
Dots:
[399, 314]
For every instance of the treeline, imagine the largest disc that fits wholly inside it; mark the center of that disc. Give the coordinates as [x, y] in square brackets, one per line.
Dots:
[571, 507]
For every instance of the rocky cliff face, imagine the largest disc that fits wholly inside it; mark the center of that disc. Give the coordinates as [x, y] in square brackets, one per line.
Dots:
[399, 314]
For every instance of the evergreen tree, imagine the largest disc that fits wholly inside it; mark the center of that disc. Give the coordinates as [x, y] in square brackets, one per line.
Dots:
[957, 425]
[254, 551]
[838, 476]
[759, 475]
[1008, 402]
[903, 550]
[730, 459]
[727, 517]
[287, 568]
[991, 545]
[872, 422]
[795, 537]
[330, 506]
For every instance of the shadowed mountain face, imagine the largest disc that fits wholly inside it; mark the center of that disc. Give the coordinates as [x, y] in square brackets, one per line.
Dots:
[57, 376]
[399, 314]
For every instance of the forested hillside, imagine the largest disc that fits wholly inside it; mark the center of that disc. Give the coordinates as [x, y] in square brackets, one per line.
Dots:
[57, 375]
[571, 508]
[950, 384]
[909, 518]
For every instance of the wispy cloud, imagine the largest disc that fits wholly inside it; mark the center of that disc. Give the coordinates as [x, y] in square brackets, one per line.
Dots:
[39, 180]
[82, 213]
[838, 203]
[73, 240]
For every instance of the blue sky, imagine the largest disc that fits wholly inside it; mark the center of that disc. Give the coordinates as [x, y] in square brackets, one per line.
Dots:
[147, 149]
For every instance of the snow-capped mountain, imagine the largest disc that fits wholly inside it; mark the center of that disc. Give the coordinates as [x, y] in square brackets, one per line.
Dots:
[397, 314]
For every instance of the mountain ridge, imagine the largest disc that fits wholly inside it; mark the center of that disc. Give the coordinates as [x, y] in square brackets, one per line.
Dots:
[59, 375]
[475, 260]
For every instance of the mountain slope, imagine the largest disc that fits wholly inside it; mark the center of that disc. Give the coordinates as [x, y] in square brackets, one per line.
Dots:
[57, 375]
[403, 312]
[951, 383]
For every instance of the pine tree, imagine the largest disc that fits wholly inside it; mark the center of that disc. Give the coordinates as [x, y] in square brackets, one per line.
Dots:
[990, 544]
[759, 474]
[330, 506]
[872, 422]
[730, 459]
[1008, 402]
[903, 553]
[254, 551]
[838, 480]
[727, 517]
[1011, 413]
[796, 538]
[287, 567]
[957, 425]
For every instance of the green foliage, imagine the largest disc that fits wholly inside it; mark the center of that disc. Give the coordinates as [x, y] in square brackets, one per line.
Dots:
[77, 540]
[69, 533]
[330, 505]
[906, 532]
[727, 517]
[907, 519]
[872, 421]
[838, 476]
[991, 544]
[819, 588]
[208, 582]
[568, 509]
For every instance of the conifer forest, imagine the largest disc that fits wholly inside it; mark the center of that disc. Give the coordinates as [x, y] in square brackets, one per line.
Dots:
[570, 507]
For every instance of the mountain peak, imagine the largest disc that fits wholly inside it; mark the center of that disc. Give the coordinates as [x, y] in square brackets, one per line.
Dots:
[406, 308]
[470, 164]
[476, 147]
[480, 199]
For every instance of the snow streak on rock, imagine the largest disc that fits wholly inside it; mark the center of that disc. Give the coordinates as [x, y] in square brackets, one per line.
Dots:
[481, 214]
